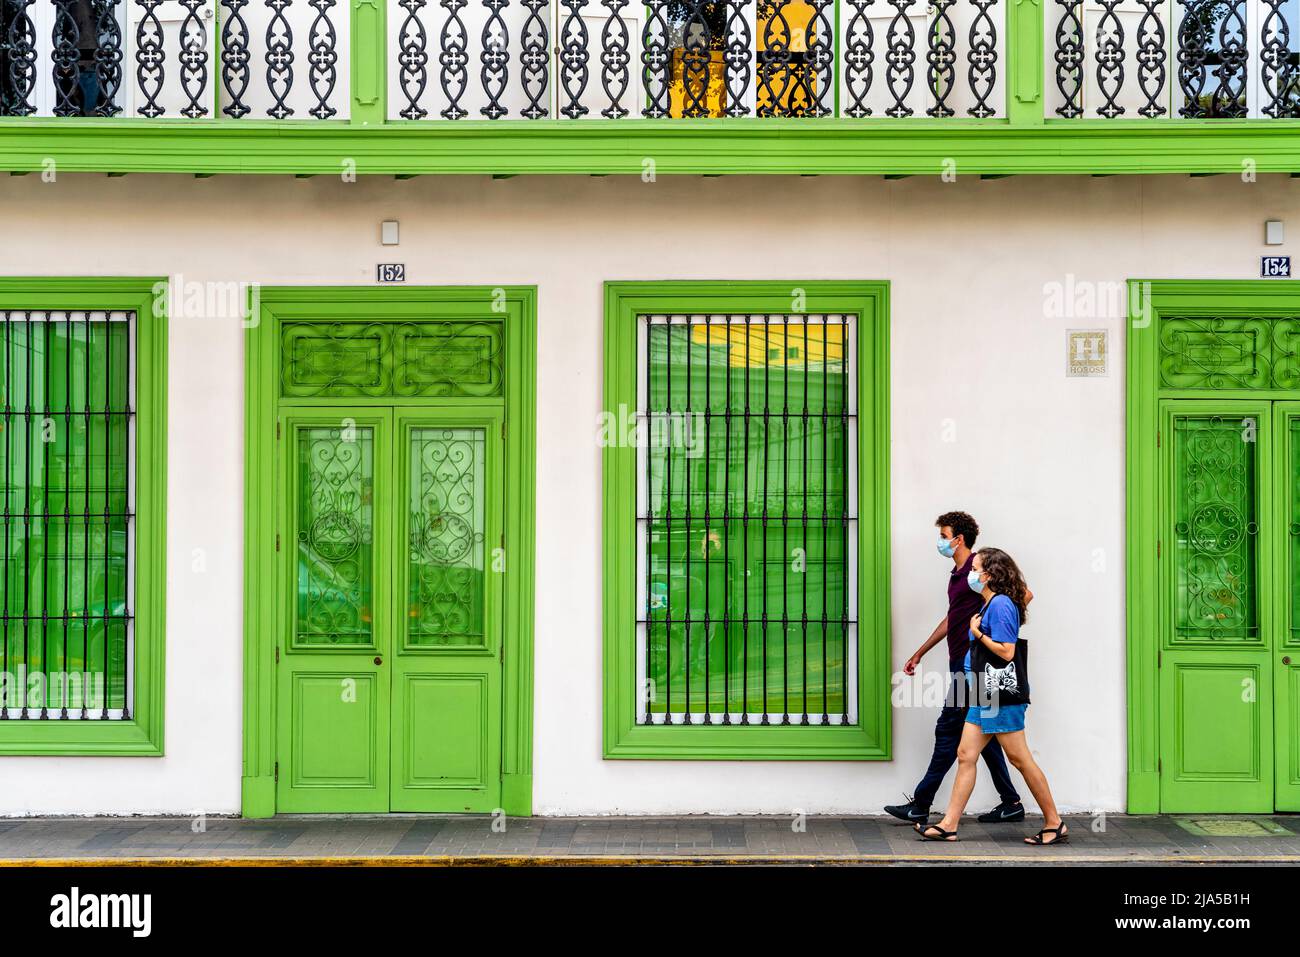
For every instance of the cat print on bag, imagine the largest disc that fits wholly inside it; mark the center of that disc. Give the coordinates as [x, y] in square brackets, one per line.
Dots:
[1001, 679]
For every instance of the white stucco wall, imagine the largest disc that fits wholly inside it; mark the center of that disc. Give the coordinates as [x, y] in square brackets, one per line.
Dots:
[983, 419]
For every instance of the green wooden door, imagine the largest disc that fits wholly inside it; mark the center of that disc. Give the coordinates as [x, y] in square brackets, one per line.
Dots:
[1286, 657]
[446, 695]
[1218, 628]
[333, 686]
[389, 669]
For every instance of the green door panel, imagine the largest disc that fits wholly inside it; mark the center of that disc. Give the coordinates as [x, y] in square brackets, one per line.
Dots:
[1287, 725]
[1216, 672]
[445, 752]
[333, 682]
[1216, 733]
[1286, 657]
[446, 705]
[349, 705]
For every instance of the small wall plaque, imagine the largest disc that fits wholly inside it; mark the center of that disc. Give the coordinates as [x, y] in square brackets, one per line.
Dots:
[1088, 353]
[391, 272]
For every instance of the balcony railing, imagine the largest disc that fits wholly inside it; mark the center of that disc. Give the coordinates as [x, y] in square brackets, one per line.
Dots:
[610, 60]
[1161, 59]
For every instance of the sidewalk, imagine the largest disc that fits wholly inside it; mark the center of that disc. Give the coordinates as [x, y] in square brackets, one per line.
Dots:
[466, 839]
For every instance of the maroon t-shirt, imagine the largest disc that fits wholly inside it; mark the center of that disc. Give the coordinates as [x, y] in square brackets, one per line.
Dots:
[962, 605]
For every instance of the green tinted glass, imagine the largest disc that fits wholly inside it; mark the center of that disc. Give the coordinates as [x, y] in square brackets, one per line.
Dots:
[747, 526]
[67, 514]
[336, 473]
[446, 568]
[1216, 528]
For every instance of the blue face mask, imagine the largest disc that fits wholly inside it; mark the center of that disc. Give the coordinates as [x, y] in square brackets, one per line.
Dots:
[973, 579]
[946, 548]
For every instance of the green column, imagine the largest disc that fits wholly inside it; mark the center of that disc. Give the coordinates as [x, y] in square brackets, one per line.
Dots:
[1025, 62]
[368, 55]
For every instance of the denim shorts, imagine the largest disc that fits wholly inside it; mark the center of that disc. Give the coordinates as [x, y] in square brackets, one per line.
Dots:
[1009, 717]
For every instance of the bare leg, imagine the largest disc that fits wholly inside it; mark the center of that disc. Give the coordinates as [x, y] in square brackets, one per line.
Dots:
[1017, 751]
[973, 741]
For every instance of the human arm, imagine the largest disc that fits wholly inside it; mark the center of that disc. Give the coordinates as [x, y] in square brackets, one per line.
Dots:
[936, 636]
[1000, 621]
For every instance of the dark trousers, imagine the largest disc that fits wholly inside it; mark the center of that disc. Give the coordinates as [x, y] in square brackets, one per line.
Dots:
[947, 735]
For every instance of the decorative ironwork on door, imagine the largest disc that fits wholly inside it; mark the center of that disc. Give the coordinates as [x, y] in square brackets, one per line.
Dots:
[1216, 530]
[447, 548]
[335, 536]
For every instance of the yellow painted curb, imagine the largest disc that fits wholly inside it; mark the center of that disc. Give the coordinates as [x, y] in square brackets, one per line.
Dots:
[585, 860]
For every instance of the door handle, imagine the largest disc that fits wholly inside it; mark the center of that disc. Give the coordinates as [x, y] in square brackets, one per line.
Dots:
[378, 660]
[1286, 659]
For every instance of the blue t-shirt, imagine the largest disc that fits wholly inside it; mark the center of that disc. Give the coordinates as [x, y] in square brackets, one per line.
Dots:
[1001, 622]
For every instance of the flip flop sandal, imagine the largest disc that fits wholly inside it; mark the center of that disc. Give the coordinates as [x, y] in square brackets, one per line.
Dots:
[1061, 838]
[943, 835]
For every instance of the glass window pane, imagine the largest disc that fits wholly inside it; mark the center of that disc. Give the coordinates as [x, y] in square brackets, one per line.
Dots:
[67, 512]
[747, 528]
[1216, 528]
[336, 473]
[446, 568]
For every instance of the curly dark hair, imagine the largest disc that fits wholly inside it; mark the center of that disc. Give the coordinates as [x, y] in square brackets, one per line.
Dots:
[961, 524]
[1005, 578]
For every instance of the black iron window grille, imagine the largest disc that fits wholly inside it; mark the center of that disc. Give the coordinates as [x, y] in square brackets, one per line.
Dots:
[746, 520]
[68, 515]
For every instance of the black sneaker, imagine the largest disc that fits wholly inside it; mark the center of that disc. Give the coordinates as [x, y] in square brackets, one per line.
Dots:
[910, 813]
[1004, 813]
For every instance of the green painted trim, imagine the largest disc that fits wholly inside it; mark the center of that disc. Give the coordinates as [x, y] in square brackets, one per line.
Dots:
[1025, 58]
[368, 40]
[257, 796]
[516, 306]
[1148, 301]
[517, 794]
[1026, 144]
[143, 734]
[870, 739]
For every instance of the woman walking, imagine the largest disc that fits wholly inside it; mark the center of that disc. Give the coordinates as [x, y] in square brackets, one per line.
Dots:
[998, 676]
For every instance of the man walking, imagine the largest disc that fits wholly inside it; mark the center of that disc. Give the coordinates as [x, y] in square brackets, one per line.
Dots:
[957, 534]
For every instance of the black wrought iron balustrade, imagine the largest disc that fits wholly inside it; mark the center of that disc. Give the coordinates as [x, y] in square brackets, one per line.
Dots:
[1162, 59]
[683, 59]
[189, 59]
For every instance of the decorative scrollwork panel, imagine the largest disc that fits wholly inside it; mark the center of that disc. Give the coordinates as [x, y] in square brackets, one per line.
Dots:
[446, 561]
[335, 536]
[1216, 529]
[404, 359]
[1217, 353]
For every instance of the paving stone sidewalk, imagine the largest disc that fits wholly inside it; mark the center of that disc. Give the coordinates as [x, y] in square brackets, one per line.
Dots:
[415, 839]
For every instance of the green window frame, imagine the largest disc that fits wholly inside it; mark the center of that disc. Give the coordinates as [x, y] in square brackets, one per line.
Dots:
[845, 713]
[137, 731]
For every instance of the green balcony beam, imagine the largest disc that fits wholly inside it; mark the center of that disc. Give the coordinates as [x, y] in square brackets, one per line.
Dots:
[920, 146]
